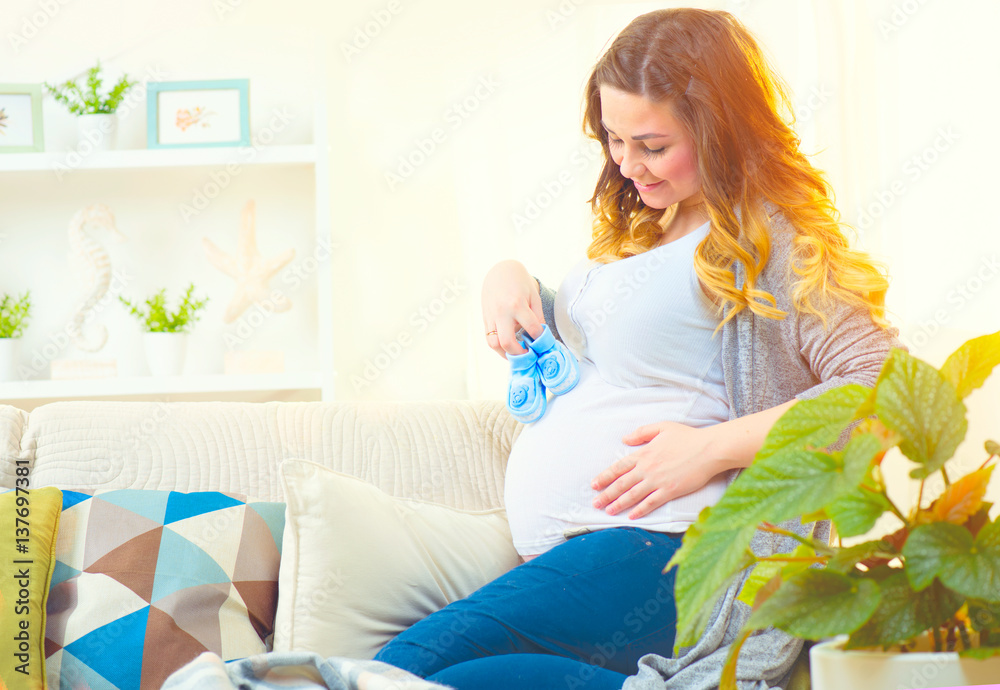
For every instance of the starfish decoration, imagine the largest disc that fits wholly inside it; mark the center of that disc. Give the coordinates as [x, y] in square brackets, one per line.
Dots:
[251, 271]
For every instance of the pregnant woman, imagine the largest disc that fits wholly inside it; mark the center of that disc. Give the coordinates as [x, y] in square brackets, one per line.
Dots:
[718, 290]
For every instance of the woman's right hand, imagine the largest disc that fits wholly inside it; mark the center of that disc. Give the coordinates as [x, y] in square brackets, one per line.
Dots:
[510, 301]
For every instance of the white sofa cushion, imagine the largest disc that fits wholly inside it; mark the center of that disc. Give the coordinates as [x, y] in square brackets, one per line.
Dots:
[13, 422]
[359, 566]
[450, 452]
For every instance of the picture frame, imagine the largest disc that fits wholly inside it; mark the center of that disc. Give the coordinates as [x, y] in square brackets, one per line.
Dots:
[21, 129]
[197, 114]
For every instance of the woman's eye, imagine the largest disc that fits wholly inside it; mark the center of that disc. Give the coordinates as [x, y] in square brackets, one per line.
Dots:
[648, 153]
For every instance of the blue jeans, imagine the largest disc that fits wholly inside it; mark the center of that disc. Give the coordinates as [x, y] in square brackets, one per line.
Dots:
[600, 600]
[528, 672]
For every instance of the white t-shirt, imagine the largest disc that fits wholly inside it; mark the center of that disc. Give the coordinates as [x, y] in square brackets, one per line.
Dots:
[641, 328]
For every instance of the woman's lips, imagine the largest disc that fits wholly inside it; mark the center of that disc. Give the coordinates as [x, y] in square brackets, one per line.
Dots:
[646, 187]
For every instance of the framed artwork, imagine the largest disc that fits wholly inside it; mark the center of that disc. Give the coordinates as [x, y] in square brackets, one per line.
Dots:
[21, 118]
[191, 114]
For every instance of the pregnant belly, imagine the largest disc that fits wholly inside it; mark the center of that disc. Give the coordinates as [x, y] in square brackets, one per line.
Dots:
[553, 462]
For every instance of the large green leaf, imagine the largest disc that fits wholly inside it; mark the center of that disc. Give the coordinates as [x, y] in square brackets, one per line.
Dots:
[765, 570]
[856, 512]
[984, 615]
[913, 399]
[970, 365]
[789, 484]
[761, 574]
[844, 560]
[817, 422]
[903, 613]
[707, 563]
[818, 603]
[858, 456]
[946, 551]
[928, 549]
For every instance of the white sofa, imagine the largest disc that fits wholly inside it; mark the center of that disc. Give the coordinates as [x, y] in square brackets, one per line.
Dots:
[451, 453]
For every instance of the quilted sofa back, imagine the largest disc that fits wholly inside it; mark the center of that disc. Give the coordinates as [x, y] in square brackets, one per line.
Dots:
[451, 452]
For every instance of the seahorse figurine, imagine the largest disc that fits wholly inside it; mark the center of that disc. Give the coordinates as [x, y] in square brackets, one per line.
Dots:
[97, 268]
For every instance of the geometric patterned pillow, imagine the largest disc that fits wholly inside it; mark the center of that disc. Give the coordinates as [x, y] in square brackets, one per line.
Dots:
[146, 580]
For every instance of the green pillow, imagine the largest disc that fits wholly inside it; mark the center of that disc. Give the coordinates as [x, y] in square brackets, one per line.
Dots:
[29, 521]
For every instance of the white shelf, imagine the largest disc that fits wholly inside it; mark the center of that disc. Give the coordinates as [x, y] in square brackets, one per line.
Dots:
[55, 161]
[153, 385]
[171, 169]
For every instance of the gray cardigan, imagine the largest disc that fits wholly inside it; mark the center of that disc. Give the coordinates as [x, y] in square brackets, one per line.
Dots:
[767, 362]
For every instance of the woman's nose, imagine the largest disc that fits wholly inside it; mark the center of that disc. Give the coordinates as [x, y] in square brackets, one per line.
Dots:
[630, 167]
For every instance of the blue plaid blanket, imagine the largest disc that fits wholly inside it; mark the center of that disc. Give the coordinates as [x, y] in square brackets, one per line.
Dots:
[283, 670]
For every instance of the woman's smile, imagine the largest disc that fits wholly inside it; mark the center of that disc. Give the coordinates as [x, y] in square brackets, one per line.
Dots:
[646, 187]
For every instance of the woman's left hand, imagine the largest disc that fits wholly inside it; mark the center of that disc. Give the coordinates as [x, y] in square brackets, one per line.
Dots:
[672, 462]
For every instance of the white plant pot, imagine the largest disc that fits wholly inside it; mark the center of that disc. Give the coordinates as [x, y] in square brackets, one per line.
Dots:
[10, 352]
[99, 129]
[165, 353]
[833, 668]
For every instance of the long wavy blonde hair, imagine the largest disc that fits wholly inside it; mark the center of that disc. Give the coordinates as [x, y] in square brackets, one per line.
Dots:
[709, 68]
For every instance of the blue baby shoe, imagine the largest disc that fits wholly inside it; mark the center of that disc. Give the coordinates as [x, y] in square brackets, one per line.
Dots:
[526, 394]
[557, 366]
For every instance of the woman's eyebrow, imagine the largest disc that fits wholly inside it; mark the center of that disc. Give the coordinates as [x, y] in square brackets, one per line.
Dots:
[638, 138]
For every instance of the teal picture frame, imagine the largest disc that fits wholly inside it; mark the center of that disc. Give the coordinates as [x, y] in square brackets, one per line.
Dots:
[8, 94]
[161, 134]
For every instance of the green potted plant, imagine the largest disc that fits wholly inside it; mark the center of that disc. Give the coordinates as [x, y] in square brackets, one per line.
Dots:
[14, 315]
[919, 607]
[165, 330]
[97, 121]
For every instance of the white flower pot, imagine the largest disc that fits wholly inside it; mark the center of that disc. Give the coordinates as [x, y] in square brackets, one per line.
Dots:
[833, 668]
[165, 353]
[99, 129]
[10, 352]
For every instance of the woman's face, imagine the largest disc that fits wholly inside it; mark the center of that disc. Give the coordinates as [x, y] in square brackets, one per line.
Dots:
[652, 148]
